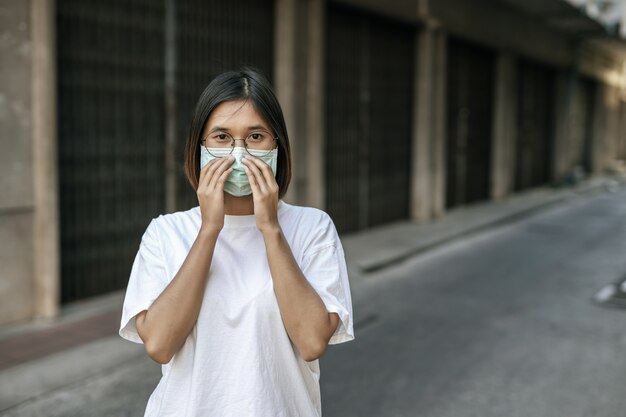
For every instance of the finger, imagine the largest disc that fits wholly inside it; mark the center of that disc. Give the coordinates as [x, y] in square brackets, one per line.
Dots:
[265, 170]
[209, 175]
[258, 175]
[204, 177]
[254, 184]
[223, 166]
[222, 179]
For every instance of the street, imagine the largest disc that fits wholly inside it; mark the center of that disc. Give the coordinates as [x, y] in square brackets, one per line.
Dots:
[501, 323]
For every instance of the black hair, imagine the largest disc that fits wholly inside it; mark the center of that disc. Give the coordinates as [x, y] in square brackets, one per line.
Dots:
[245, 84]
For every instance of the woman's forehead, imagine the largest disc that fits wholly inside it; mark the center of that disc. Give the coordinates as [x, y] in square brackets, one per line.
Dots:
[235, 115]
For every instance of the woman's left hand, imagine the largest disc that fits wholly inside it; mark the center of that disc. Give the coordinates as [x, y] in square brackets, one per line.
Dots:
[264, 193]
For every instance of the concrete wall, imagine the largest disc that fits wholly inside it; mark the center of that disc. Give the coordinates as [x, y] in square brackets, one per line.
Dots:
[499, 26]
[504, 117]
[428, 175]
[29, 249]
[299, 75]
[16, 180]
[606, 128]
[562, 111]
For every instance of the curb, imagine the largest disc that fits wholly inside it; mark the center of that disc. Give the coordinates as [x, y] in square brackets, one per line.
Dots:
[417, 244]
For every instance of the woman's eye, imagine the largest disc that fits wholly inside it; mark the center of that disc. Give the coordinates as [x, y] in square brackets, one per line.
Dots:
[222, 136]
[256, 136]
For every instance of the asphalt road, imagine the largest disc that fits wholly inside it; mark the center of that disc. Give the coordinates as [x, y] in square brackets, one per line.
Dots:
[501, 324]
[498, 324]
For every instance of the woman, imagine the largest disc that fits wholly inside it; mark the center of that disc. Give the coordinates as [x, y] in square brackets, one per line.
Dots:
[238, 298]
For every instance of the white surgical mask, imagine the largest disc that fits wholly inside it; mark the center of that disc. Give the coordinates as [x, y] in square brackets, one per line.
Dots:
[237, 183]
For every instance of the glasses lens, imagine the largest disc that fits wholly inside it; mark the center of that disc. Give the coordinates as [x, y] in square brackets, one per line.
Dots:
[260, 149]
[218, 144]
[219, 152]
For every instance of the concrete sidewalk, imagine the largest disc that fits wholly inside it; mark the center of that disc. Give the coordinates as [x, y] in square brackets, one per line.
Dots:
[380, 247]
[40, 357]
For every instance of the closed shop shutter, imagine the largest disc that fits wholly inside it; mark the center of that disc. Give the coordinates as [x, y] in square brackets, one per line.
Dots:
[535, 125]
[110, 130]
[212, 37]
[469, 123]
[369, 75]
[581, 131]
[621, 147]
[111, 118]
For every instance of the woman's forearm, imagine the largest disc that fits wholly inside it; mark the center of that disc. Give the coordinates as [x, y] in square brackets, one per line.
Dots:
[164, 327]
[308, 323]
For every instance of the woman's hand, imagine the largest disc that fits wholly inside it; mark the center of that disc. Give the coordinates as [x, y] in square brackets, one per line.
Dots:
[210, 192]
[264, 193]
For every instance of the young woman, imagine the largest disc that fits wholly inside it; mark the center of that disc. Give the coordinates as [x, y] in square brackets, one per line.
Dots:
[238, 298]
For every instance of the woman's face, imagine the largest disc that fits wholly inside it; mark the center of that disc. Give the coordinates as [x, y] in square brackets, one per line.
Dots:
[237, 119]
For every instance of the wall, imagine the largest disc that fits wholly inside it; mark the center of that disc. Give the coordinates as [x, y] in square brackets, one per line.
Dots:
[16, 191]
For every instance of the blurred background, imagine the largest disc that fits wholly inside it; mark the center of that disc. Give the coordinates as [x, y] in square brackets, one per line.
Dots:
[416, 124]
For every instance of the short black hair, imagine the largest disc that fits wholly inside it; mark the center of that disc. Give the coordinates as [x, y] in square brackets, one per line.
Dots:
[245, 84]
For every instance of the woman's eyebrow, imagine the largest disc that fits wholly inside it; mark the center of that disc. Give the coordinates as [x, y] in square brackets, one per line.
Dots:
[225, 129]
[216, 128]
[255, 127]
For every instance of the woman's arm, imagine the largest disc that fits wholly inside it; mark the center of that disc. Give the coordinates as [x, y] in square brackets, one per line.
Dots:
[309, 325]
[164, 327]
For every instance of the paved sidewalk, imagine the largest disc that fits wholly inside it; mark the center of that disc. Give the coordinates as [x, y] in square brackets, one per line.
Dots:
[380, 247]
[34, 356]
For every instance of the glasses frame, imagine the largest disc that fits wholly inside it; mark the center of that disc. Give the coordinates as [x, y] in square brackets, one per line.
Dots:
[232, 146]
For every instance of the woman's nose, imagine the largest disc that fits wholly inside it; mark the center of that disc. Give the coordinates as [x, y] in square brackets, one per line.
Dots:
[241, 142]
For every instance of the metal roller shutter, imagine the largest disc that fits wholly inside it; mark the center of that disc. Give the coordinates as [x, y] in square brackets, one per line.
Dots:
[110, 153]
[369, 77]
[469, 121]
[111, 101]
[535, 125]
[214, 36]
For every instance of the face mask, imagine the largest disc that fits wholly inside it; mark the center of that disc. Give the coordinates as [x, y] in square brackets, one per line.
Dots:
[237, 183]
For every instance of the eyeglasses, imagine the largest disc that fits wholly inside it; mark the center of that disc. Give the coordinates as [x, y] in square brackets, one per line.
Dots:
[220, 144]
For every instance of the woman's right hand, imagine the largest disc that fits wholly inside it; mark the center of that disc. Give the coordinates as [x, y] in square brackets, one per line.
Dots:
[210, 192]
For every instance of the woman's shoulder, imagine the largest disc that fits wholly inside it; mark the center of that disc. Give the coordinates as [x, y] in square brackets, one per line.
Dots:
[177, 220]
[310, 221]
[307, 214]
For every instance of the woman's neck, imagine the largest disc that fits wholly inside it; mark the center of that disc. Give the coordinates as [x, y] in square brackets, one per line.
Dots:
[238, 206]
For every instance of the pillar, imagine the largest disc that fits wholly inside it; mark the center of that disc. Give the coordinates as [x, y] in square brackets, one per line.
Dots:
[504, 127]
[565, 85]
[428, 130]
[46, 252]
[299, 84]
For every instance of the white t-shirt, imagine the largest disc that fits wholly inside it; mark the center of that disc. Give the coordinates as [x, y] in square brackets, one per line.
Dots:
[238, 360]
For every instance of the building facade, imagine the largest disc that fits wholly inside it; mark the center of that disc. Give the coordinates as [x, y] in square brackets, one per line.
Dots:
[397, 110]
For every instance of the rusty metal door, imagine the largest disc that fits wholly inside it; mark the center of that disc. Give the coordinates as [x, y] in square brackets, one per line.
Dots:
[469, 123]
[369, 75]
[535, 125]
[213, 36]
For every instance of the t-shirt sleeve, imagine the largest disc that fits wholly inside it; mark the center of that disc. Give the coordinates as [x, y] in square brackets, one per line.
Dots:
[325, 268]
[147, 281]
